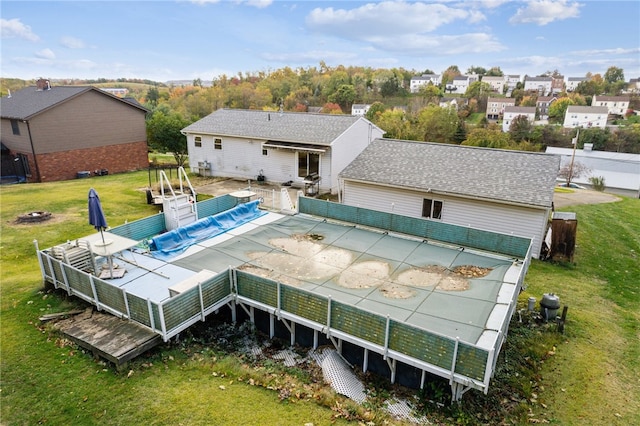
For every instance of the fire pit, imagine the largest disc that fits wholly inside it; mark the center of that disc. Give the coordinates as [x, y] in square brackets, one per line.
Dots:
[34, 217]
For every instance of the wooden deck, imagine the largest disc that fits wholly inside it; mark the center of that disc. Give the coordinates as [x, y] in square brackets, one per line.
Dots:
[114, 339]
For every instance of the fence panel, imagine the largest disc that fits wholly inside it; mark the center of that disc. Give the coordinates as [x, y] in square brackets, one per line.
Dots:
[141, 229]
[420, 344]
[304, 304]
[358, 323]
[257, 288]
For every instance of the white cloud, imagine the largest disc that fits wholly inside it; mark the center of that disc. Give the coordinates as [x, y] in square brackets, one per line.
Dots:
[72, 42]
[616, 51]
[260, 4]
[445, 45]
[13, 28]
[312, 55]
[45, 54]
[389, 18]
[543, 12]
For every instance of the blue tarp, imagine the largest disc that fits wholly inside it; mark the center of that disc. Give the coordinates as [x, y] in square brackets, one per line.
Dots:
[172, 243]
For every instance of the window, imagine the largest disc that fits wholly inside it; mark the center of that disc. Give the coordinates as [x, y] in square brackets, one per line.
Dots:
[432, 209]
[265, 151]
[217, 144]
[15, 127]
[198, 141]
[308, 162]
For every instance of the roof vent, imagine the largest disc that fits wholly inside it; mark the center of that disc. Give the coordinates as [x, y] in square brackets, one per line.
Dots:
[588, 147]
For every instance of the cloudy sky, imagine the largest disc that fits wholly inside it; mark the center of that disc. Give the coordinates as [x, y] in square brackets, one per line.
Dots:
[183, 40]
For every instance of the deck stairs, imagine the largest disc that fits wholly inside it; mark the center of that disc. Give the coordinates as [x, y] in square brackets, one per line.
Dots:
[179, 204]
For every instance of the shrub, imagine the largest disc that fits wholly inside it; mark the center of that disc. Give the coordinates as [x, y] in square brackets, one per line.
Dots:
[597, 182]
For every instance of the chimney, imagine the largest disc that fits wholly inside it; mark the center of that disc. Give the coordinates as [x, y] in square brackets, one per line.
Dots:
[43, 84]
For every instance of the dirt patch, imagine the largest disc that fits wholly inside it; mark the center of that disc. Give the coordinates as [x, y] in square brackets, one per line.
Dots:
[582, 196]
[364, 275]
[429, 276]
[471, 271]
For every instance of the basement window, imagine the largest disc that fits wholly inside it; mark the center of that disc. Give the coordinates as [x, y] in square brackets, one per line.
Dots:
[198, 141]
[432, 209]
[217, 144]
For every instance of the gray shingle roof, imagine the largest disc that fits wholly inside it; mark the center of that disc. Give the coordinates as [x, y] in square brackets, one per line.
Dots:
[28, 102]
[581, 109]
[499, 175]
[525, 110]
[320, 129]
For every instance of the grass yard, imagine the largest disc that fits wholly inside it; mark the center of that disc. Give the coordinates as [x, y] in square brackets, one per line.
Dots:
[588, 375]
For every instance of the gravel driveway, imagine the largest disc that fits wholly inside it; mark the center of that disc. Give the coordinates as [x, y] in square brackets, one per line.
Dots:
[582, 196]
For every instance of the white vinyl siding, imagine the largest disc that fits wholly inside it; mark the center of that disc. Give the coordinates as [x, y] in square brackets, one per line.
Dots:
[495, 217]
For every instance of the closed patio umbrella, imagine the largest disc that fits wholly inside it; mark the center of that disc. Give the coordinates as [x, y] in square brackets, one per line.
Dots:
[96, 215]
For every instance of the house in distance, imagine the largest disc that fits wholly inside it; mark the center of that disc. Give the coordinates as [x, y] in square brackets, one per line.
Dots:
[56, 133]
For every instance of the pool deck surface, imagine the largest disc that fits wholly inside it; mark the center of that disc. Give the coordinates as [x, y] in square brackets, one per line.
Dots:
[410, 280]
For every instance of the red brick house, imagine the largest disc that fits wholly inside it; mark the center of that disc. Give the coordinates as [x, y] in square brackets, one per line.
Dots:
[51, 133]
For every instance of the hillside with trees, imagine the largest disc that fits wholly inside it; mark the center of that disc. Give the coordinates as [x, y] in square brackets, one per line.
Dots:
[403, 115]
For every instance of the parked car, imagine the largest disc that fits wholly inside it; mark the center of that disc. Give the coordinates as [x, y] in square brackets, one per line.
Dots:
[571, 185]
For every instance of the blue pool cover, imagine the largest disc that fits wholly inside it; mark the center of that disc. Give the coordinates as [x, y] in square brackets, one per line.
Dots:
[174, 242]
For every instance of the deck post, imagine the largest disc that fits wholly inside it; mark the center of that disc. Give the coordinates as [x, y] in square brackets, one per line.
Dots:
[93, 289]
[163, 326]
[278, 296]
[315, 339]
[201, 302]
[152, 320]
[65, 279]
[272, 326]
[365, 361]
[126, 302]
[386, 337]
[453, 360]
[329, 316]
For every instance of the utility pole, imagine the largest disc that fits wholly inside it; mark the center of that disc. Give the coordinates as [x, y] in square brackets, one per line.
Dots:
[573, 156]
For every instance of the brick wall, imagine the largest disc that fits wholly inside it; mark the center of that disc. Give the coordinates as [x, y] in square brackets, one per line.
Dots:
[114, 158]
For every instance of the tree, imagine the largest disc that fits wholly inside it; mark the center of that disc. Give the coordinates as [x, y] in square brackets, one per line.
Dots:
[344, 96]
[375, 110]
[558, 109]
[460, 134]
[573, 170]
[431, 93]
[476, 70]
[613, 74]
[395, 124]
[450, 73]
[331, 108]
[153, 96]
[495, 72]
[164, 134]
[437, 124]
[488, 138]
[595, 136]
[520, 128]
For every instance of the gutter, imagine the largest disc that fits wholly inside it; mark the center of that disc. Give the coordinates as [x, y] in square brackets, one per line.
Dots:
[33, 151]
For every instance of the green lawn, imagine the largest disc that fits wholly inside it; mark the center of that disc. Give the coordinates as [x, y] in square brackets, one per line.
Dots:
[590, 377]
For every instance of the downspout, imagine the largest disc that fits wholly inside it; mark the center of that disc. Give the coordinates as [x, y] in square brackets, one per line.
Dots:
[33, 151]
